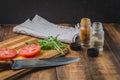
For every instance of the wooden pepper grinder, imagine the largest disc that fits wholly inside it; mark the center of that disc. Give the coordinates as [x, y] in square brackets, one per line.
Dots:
[85, 30]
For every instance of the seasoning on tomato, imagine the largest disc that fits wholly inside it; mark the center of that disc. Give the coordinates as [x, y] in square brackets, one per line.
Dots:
[6, 53]
[30, 50]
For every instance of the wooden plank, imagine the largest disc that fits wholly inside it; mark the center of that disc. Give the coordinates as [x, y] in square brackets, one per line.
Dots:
[113, 31]
[18, 42]
[104, 67]
[6, 29]
[1, 33]
[74, 71]
[41, 74]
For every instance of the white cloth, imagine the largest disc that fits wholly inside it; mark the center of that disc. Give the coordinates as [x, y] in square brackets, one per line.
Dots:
[41, 28]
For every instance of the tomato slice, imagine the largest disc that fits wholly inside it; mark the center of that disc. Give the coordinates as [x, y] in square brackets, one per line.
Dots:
[30, 50]
[6, 53]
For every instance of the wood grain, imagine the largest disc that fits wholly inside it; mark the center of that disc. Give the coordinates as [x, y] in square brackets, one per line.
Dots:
[18, 42]
[104, 67]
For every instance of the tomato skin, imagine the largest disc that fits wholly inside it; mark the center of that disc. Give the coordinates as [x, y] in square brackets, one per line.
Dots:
[6, 53]
[29, 50]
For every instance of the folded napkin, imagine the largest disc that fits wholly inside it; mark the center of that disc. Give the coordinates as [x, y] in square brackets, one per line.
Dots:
[41, 28]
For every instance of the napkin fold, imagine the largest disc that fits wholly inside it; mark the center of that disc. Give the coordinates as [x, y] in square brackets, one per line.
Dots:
[41, 28]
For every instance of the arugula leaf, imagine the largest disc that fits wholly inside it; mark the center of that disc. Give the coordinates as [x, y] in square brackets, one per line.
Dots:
[50, 43]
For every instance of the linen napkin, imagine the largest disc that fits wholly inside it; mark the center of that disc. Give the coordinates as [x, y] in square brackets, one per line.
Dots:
[41, 28]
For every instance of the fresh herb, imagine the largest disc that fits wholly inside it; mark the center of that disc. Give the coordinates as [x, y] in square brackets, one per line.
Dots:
[50, 43]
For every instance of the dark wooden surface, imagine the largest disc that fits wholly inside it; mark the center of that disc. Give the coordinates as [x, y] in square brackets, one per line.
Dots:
[104, 67]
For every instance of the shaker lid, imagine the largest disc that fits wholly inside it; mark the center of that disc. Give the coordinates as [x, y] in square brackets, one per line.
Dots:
[97, 26]
[93, 52]
[85, 21]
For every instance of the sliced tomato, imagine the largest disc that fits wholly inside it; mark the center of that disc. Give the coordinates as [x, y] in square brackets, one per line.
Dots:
[30, 50]
[6, 53]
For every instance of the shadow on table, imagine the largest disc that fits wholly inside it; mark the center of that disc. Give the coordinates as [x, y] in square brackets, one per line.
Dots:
[111, 53]
[107, 65]
[116, 27]
[95, 69]
[35, 70]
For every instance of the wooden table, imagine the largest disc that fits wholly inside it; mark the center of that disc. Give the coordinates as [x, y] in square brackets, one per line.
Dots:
[104, 67]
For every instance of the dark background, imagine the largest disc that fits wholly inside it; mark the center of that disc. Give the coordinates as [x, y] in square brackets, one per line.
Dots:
[60, 11]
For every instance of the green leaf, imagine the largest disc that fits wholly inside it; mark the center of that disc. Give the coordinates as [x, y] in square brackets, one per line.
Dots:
[50, 43]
